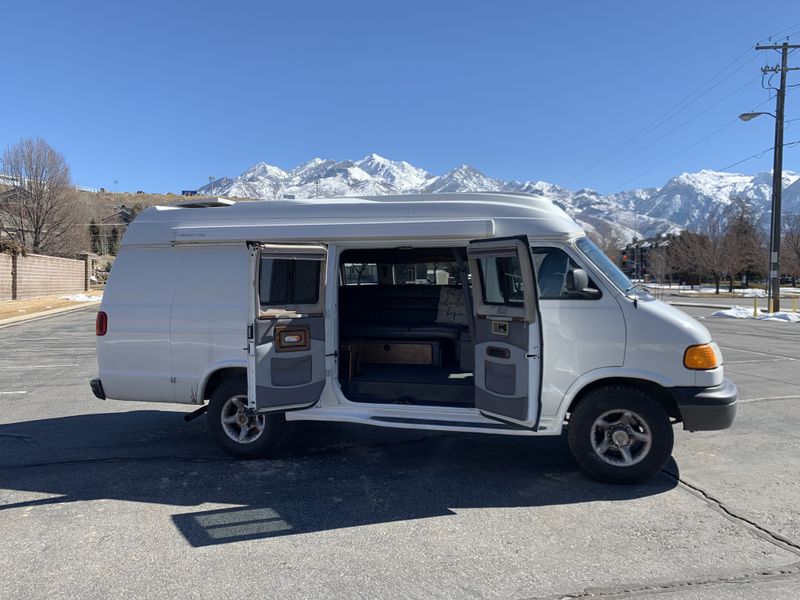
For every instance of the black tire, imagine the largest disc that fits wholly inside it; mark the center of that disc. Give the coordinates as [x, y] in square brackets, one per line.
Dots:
[640, 414]
[272, 432]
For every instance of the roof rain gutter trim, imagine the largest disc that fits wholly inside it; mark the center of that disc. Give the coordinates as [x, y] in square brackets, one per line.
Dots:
[454, 229]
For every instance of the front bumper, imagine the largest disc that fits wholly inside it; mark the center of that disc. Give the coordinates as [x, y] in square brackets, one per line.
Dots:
[706, 409]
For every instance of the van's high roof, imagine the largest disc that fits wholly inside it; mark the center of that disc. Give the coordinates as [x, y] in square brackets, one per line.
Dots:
[450, 215]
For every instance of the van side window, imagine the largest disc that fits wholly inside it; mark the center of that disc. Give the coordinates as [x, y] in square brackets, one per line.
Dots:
[552, 266]
[501, 277]
[289, 281]
[360, 273]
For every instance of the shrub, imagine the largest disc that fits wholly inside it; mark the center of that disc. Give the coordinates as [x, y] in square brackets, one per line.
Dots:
[13, 247]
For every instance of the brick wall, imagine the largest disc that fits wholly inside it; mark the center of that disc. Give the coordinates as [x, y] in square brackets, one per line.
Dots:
[5, 276]
[48, 275]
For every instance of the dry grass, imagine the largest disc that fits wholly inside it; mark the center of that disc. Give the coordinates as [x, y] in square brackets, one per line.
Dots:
[17, 308]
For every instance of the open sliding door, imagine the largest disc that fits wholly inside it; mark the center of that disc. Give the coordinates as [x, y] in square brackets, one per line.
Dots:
[508, 344]
[286, 368]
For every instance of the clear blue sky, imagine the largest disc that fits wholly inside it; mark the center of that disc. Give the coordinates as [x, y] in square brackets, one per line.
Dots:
[160, 95]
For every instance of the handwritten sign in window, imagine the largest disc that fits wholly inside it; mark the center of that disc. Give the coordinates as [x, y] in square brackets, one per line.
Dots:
[452, 308]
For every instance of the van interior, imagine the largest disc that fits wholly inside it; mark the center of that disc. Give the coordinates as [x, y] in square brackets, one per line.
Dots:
[404, 326]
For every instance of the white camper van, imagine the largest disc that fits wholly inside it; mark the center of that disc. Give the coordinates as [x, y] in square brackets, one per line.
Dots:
[488, 312]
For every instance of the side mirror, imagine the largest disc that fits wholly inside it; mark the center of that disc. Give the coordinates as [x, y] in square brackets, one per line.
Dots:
[577, 280]
[578, 285]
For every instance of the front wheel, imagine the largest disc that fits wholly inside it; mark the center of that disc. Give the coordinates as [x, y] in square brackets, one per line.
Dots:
[620, 434]
[236, 432]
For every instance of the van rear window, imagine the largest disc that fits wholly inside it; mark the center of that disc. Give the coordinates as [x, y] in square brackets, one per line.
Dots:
[289, 281]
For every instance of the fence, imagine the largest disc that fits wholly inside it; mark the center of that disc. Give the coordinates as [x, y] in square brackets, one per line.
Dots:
[35, 275]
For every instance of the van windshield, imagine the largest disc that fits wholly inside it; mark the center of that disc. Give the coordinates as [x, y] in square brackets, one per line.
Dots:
[605, 265]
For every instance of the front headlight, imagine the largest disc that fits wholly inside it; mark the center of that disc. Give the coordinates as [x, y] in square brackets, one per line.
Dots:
[701, 357]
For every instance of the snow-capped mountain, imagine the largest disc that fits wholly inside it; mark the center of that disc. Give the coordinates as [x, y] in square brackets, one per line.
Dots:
[464, 179]
[691, 198]
[401, 175]
[685, 201]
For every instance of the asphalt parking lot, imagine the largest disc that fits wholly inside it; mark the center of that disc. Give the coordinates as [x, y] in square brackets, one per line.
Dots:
[102, 499]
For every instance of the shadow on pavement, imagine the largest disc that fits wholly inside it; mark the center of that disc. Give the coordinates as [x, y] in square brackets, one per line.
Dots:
[329, 476]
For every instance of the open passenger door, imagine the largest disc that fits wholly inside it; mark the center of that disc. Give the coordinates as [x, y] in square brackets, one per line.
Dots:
[508, 331]
[286, 338]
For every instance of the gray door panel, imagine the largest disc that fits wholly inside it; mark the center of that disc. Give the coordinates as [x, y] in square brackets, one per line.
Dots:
[507, 331]
[286, 369]
[288, 378]
[514, 408]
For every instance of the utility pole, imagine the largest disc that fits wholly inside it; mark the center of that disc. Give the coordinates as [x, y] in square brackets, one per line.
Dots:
[774, 287]
[211, 183]
[636, 265]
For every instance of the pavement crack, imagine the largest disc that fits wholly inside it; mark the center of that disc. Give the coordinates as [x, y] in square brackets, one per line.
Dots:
[764, 533]
[632, 590]
[622, 591]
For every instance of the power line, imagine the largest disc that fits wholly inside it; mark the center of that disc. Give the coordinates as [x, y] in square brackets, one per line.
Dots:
[791, 33]
[685, 103]
[678, 108]
[780, 32]
[686, 149]
[677, 127]
[676, 155]
[760, 154]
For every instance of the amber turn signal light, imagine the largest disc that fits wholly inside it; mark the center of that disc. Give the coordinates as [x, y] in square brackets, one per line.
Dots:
[700, 357]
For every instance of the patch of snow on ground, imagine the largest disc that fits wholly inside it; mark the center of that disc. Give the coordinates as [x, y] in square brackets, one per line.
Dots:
[83, 298]
[752, 293]
[705, 290]
[742, 312]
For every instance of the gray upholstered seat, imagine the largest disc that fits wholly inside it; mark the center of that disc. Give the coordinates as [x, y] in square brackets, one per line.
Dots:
[394, 312]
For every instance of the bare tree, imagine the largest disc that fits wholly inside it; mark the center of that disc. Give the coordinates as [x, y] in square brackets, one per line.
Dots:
[790, 253]
[714, 258]
[689, 251]
[40, 211]
[702, 253]
[744, 241]
[661, 260]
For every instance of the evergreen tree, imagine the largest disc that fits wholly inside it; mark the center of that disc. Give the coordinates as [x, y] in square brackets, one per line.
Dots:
[113, 241]
[95, 242]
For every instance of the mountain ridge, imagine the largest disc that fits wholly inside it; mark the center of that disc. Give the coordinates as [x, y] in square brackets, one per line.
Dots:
[685, 201]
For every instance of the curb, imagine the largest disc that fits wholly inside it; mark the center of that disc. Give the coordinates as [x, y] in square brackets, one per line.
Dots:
[703, 305]
[45, 314]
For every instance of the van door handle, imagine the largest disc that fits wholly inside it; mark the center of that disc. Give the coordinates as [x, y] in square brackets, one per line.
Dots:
[496, 352]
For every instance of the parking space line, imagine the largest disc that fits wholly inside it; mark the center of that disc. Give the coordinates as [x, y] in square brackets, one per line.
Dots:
[760, 353]
[10, 393]
[22, 367]
[742, 362]
[745, 401]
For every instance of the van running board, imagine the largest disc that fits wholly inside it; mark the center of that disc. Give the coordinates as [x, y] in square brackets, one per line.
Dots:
[450, 423]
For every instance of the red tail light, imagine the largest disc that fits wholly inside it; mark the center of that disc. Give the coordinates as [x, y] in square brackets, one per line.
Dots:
[101, 323]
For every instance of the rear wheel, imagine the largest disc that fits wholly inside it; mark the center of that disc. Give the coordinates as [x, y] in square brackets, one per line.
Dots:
[235, 431]
[620, 434]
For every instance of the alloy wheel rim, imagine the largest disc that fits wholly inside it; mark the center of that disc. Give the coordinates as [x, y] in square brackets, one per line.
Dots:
[621, 438]
[237, 424]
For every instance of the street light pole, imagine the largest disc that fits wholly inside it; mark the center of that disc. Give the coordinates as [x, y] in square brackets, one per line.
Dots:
[774, 288]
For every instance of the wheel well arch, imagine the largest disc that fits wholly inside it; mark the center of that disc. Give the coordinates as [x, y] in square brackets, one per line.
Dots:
[662, 396]
[217, 377]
